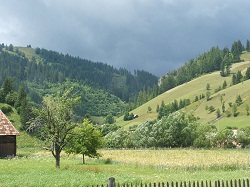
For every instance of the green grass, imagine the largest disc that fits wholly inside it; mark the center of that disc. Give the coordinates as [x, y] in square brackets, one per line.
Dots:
[127, 166]
[29, 53]
[245, 56]
[238, 122]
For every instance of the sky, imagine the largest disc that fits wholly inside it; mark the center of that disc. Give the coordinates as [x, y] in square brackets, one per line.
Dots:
[157, 36]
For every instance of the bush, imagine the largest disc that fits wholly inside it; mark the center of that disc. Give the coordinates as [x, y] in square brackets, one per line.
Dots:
[6, 109]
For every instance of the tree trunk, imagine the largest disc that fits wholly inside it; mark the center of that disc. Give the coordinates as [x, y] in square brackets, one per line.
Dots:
[57, 159]
[83, 160]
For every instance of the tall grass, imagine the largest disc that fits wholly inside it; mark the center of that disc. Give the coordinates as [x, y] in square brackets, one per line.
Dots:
[127, 166]
[180, 157]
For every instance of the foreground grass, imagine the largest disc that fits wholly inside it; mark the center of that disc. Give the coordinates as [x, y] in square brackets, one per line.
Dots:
[126, 166]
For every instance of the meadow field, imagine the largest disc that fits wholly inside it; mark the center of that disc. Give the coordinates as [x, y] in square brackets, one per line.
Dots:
[127, 166]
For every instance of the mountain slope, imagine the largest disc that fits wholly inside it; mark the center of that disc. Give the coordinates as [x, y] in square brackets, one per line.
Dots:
[104, 89]
[119, 82]
[195, 88]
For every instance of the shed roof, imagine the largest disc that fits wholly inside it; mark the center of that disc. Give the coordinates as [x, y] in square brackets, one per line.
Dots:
[6, 127]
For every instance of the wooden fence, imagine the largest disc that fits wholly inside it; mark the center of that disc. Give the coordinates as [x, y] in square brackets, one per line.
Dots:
[218, 183]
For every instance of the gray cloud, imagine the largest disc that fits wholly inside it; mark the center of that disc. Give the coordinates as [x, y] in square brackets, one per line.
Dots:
[157, 36]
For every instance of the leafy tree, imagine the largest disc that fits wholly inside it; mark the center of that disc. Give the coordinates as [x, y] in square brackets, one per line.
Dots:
[149, 109]
[126, 116]
[221, 98]
[175, 130]
[211, 109]
[208, 86]
[196, 98]
[223, 107]
[54, 122]
[206, 134]
[110, 119]
[224, 138]
[107, 128]
[143, 135]
[116, 139]
[247, 110]
[6, 109]
[244, 136]
[11, 98]
[208, 94]
[235, 110]
[181, 129]
[218, 113]
[85, 139]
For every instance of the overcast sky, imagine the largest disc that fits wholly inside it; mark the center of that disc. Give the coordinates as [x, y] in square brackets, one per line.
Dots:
[154, 35]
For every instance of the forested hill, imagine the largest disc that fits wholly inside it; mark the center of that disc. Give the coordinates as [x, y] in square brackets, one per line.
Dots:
[49, 66]
[119, 82]
[104, 89]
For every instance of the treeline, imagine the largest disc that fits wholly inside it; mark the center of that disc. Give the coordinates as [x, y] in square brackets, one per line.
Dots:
[176, 130]
[165, 110]
[213, 60]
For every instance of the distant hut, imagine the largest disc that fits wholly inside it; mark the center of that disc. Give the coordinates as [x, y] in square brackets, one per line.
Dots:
[7, 137]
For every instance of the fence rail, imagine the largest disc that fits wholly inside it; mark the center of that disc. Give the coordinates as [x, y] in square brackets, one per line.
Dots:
[206, 183]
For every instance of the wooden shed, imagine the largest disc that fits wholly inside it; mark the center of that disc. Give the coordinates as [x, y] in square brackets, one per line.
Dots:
[8, 135]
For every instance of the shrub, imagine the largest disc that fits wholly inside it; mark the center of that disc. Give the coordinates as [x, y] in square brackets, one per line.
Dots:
[6, 109]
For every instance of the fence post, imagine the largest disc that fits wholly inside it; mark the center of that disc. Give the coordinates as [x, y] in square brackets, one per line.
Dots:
[111, 182]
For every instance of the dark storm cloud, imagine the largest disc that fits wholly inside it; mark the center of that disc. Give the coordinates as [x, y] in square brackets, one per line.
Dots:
[157, 36]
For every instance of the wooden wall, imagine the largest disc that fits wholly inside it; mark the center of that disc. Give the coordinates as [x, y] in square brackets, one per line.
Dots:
[7, 146]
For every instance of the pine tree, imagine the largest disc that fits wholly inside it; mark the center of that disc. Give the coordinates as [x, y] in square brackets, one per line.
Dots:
[234, 81]
[224, 85]
[238, 77]
[238, 100]
[248, 46]
[8, 86]
[247, 76]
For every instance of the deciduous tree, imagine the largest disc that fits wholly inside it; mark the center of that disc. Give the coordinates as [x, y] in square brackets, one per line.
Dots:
[54, 122]
[85, 139]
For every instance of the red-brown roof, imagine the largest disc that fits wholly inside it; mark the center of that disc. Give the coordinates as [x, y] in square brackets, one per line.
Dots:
[6, 128]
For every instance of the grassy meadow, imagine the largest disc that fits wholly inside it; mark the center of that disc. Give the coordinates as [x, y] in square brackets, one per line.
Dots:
[127, 166]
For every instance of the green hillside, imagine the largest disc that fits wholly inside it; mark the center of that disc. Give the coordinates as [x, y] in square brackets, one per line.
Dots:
[197, 87]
